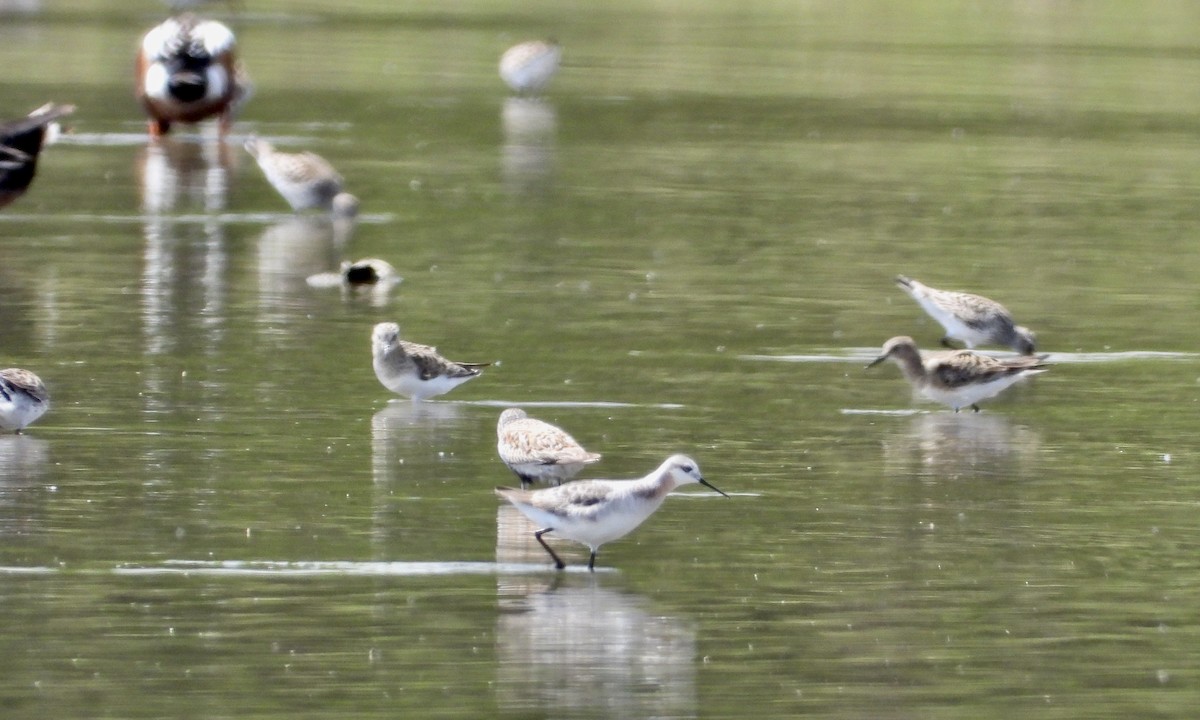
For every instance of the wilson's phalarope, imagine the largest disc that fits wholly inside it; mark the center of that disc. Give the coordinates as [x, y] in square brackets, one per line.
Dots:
[595, 512]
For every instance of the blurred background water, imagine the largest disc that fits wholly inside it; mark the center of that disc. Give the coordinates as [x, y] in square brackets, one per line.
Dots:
[686, 246]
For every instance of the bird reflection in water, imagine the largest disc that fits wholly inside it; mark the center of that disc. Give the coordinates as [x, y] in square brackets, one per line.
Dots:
[185, 173]
[527, 158]
[581, 648]
[23, 465]
[949, 444]
[184, 184]
[403, 427]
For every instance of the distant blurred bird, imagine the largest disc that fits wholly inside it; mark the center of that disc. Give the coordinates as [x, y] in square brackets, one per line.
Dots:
[368, 271]
[306, 180]
[414, 370]
[536, 450]
[21, 141]
[529, 67]
[187, 71]
[23, 399]
[973, 319]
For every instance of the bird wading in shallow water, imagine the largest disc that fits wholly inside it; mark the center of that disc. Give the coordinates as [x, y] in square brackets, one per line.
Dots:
[959, 378]
[972, 319]
[595, 512]
[187, 71]
[23, 399]
[538, 451]
[306, 180]
[21, 143]
[414, 370]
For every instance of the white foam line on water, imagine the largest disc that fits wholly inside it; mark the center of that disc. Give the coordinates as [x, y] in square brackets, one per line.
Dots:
[1100, 357]
[241, 568]
[865, 355]
[858, 356]
[222, 218]
[570, 404]
[873, 411]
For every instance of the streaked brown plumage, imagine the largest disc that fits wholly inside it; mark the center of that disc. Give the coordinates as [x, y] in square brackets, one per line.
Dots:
[959, 378]
[538, 451]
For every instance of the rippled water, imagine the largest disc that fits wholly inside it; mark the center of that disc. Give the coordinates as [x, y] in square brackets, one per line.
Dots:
[686, 246]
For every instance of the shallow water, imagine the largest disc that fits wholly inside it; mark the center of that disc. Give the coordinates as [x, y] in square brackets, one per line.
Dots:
[687, 246]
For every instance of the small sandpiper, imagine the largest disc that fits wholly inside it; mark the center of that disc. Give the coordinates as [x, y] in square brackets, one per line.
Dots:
[536, 450]
[973, 319]
[529, 67]
[306, 180]
[413, 370]
[21, 141]
[23, 399]
[958, 378]
[595, 512]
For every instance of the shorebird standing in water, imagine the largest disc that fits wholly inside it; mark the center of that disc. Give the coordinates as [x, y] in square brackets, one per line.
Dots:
[306, 180]
[414, 370]
[973, 319]
[187, 71]
[536, 450]
[529, 67]
[21, 141]
[23, 399]
[595, 512]
[959, 378]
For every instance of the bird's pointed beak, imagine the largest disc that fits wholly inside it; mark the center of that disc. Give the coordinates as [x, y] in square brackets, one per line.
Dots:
[875, 362]
[707, 484]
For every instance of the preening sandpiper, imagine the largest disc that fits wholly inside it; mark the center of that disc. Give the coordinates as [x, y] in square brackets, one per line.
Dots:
[538, 451]
[973, 319]
[595, 512]
[414, 370]
[529, 67]
[23, 399]
[306, 180]
[958, 378]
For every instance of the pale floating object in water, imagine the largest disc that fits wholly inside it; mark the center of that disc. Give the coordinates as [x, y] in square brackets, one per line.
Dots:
[529, 67]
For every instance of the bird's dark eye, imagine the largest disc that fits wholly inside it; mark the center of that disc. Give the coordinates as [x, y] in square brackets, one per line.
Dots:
[687, 468]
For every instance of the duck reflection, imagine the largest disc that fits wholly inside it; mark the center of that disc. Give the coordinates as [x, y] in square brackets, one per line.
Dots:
[185, 173]
[585, 649]
[947, 444]
[184, 293]
[527, 160]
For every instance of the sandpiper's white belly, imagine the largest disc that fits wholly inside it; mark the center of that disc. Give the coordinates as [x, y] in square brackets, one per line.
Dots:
[967, 395]
[411, 385]
[20, 411]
